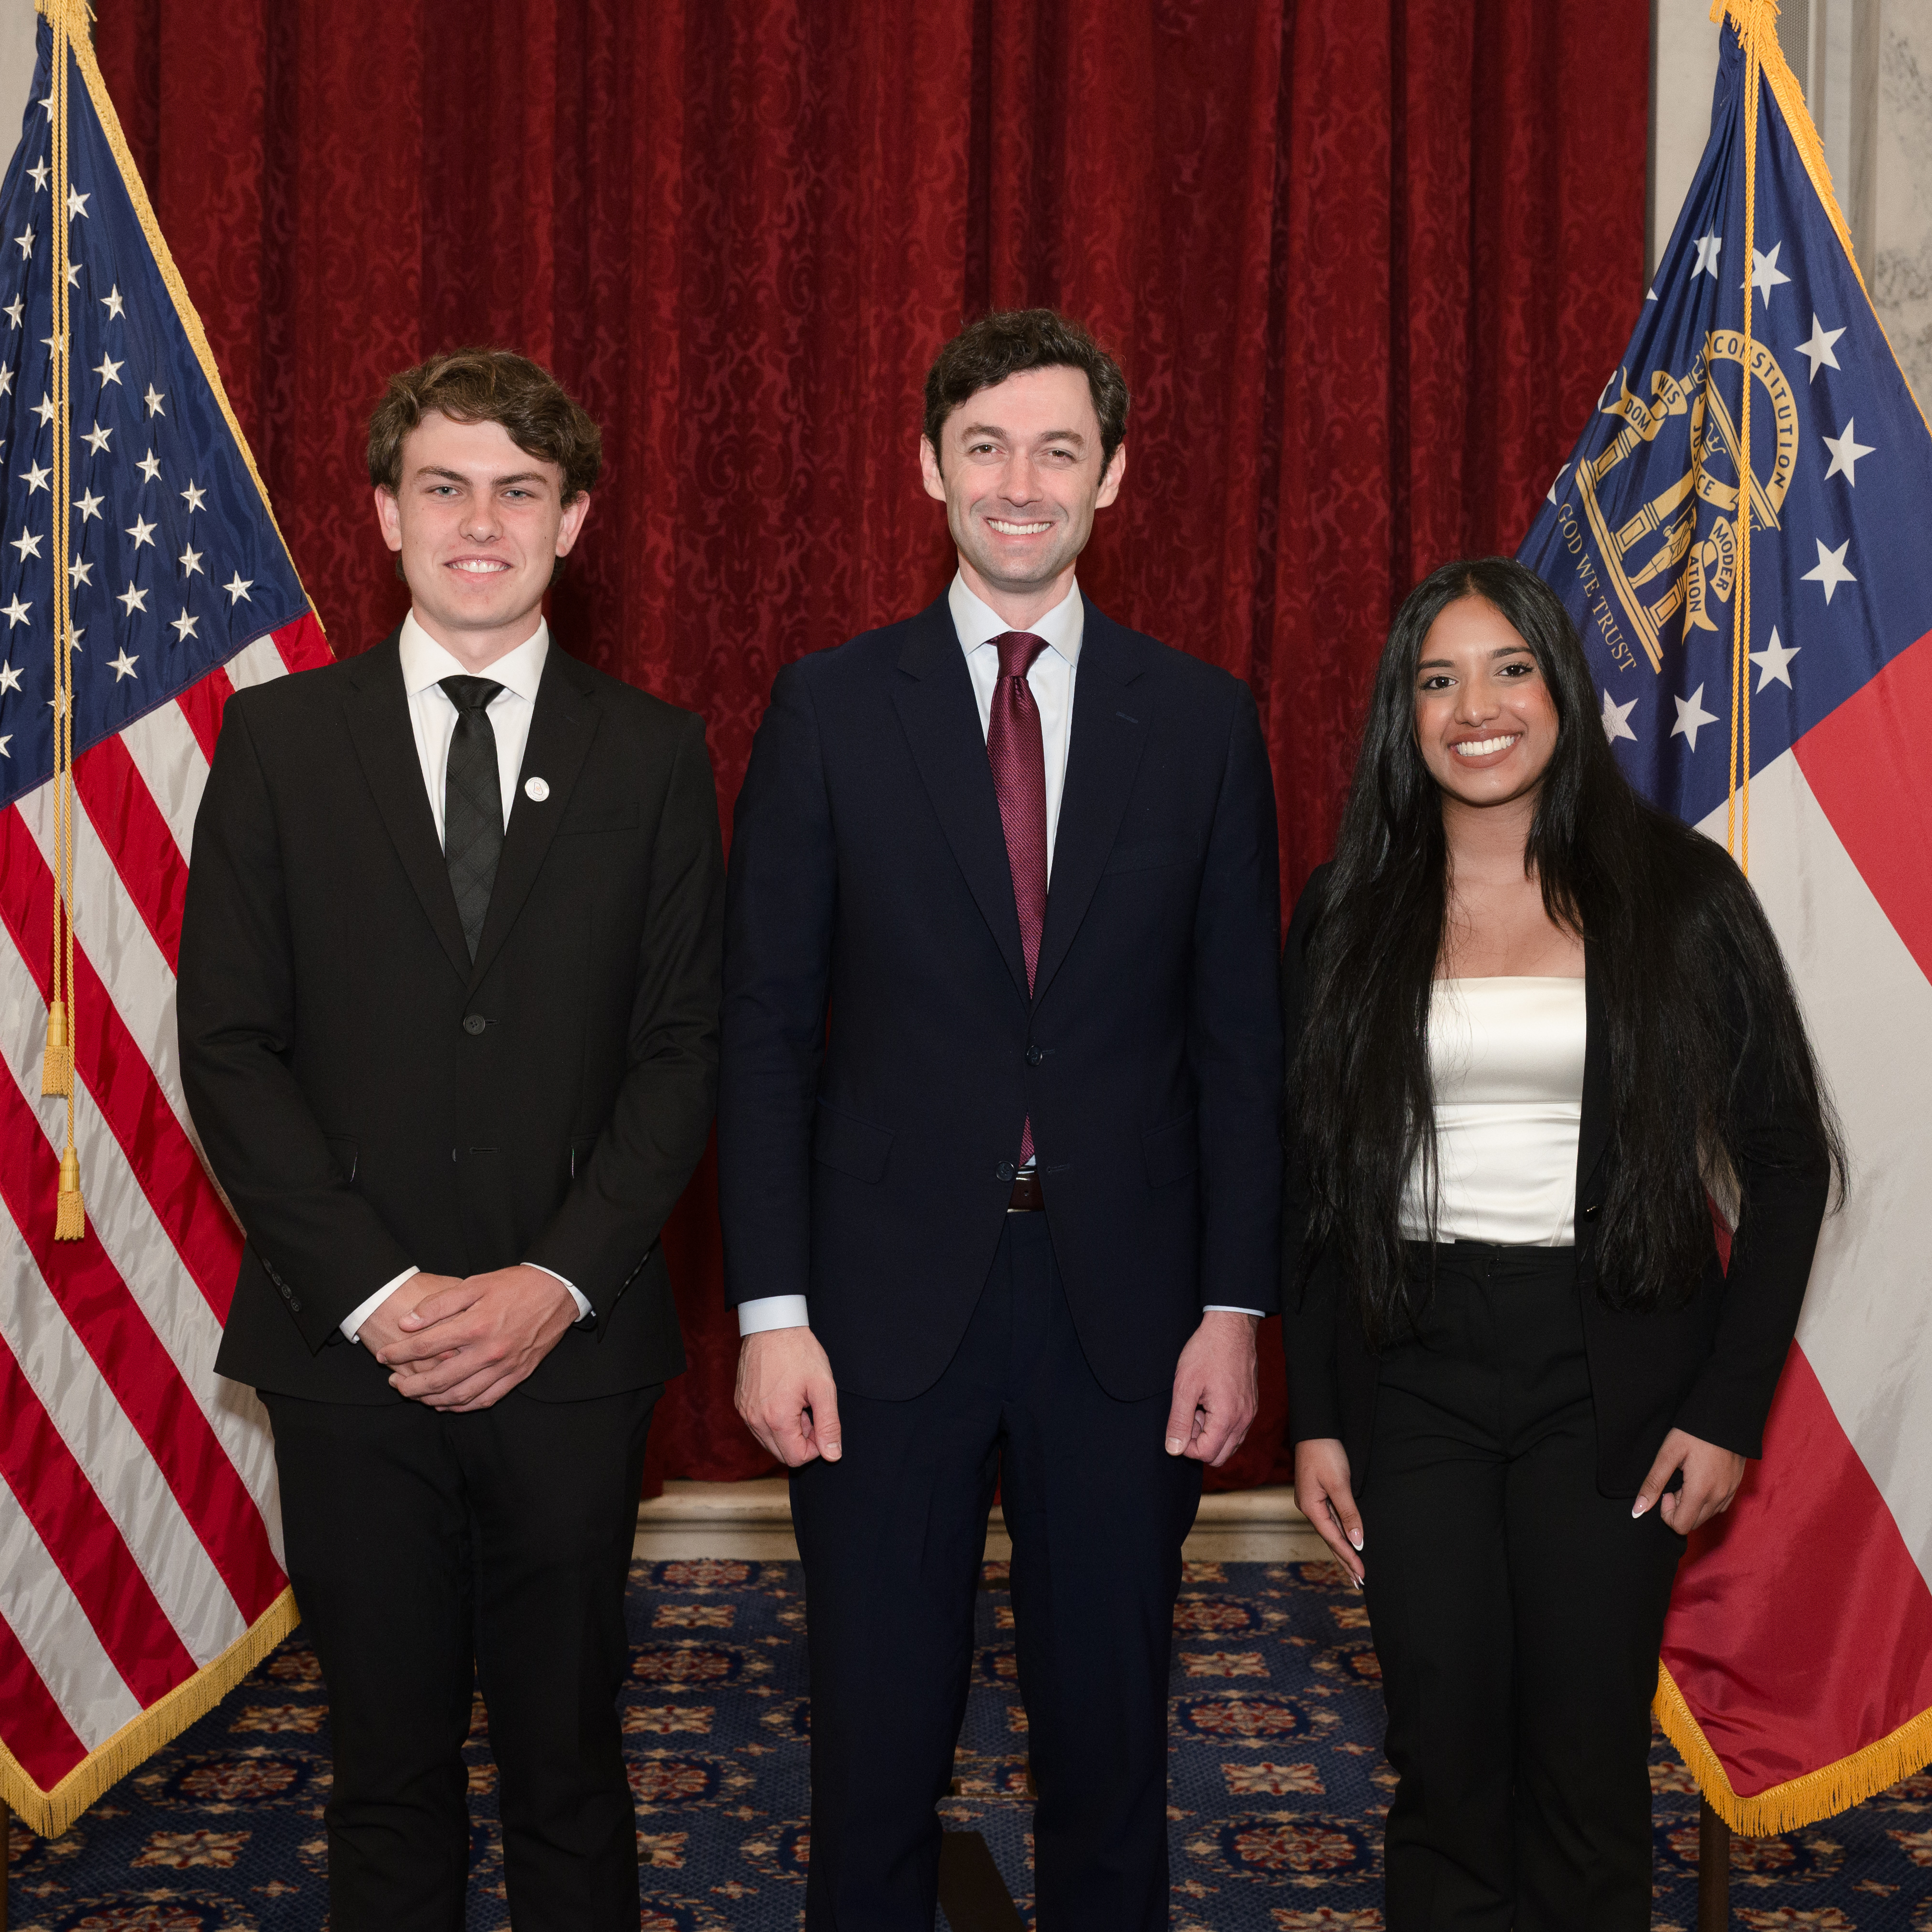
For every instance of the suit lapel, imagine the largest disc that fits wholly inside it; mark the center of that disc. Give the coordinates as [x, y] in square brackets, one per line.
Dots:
[562, 726]
[1593, 1129]
[933, 693]
[1102, 756]
[379, 724]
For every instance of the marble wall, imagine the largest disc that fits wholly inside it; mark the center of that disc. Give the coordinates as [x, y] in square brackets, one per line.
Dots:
[1899, 270]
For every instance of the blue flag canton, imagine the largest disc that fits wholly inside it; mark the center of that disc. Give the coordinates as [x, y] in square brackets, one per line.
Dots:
[1639, 532]
[173, 563]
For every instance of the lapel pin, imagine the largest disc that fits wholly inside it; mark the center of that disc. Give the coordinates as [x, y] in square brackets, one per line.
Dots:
[538, 789]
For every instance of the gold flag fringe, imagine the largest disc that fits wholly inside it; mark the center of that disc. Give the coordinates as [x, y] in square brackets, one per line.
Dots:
[48, 1813]
[1798, 1802]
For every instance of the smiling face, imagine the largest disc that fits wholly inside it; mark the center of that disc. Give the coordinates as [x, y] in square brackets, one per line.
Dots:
[1485, 721]
[478, 524]
[1019, 471]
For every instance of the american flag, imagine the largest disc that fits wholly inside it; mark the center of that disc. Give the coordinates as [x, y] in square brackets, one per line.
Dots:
[1797, 1673]
[140, 1571]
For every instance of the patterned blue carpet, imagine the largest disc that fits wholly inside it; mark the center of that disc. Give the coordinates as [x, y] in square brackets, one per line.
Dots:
[1278, 1784]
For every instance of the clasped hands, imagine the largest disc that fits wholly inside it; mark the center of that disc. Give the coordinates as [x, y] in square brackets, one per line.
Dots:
[790, 1401]
[461, 1342]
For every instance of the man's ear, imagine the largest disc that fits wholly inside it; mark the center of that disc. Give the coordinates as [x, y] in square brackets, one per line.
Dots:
[1110, 480]
[389, 516]
[929, 471]
[574, 512]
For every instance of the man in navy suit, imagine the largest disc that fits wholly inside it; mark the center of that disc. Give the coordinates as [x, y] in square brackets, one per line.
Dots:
[999, 1145]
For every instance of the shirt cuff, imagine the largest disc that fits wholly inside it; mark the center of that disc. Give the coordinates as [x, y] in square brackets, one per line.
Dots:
[576, 1294]
[352, 1323]
[773, 1311]
[1222, 1308]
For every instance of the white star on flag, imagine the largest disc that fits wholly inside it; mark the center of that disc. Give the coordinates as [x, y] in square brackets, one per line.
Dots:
[142, 531]
[1616, 719]
[72, 273]
[238, 588]
[87, 507]
[26, 543]
[1774, 662]
[9, 679]
[108, 370]
[123, 666]
[1708, 247]
[191, 496]
[79, 572]
[15, 311]
[1831, 571]
[1554, 481]
[153, 399]
[39, 171]
[149, 466]
[1692, 717]
[96, 440]
[183, 627]
[112, 301]
[1818, 350]
[6, 382]
[15, 612]
[76, 203]
[1846, 450]
[1765, 275]
[25, 240]
[44, 408]
[36, 477]
[132, 600]
[191, 560]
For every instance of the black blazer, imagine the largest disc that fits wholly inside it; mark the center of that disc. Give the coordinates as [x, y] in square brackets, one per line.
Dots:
[370, 1099]
[1709, 1366]
[869, 1164]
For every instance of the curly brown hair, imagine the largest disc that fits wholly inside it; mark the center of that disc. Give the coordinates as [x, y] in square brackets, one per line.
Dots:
[986, 353]
[537, 412]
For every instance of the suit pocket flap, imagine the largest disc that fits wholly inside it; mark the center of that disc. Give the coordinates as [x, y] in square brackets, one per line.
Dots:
[1171, 1152]
[852, 1146]
[1142, 857]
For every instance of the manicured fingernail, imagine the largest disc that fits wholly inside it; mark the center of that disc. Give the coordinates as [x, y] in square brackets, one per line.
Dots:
[1638, 1508]
[1175, 1445]
[1355, 1537]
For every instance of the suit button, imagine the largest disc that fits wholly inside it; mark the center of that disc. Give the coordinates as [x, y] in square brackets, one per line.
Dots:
[1005, 1171]
[1034, 1056]
[474, 1024]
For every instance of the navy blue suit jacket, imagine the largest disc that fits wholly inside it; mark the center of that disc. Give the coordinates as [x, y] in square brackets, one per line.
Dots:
[880, 1052]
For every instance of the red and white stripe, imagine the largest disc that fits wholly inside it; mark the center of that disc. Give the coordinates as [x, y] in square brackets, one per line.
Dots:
[1801, 1632]
[144, 1537]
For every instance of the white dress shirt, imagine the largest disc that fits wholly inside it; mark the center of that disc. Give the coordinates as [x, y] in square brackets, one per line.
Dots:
[1050, 681]
[433, 720]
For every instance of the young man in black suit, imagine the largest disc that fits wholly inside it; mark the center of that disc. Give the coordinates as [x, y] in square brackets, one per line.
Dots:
[448, 1002]
[1011, 1215]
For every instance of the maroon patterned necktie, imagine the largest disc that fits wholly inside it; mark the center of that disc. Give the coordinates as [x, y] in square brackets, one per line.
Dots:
[1017, 755]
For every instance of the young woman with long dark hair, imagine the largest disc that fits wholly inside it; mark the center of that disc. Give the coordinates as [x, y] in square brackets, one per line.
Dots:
[1537, 1027]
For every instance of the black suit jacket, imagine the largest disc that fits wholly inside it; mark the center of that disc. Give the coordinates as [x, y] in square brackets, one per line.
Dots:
[1709, 1365]
[370, 1099]
[867, 1160]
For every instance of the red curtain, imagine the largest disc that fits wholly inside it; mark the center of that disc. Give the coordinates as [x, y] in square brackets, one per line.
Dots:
[1367, 263]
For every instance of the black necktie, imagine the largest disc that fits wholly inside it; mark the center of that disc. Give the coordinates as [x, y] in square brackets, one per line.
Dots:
[472, 803]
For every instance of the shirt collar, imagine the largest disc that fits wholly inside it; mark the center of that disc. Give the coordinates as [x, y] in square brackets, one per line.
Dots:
[425, 662]
[977, 623]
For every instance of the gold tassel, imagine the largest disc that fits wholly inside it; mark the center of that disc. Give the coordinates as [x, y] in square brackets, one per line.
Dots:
[70, 1217]
[57, 1065]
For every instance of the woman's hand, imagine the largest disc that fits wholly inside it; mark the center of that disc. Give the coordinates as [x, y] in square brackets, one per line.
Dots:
[1322, 1492]
[1712, 1476]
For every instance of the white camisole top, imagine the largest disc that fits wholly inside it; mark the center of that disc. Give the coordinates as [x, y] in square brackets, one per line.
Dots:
[1506, 1059]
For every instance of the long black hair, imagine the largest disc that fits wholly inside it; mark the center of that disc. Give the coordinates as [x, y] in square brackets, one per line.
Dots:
[1692, 985]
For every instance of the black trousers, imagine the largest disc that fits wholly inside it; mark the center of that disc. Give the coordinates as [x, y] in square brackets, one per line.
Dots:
[431, 1553]
[892, 1536]
[1517, 1613]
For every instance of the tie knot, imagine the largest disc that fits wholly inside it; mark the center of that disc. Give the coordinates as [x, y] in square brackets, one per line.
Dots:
[468, 694]
[1017, 650]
